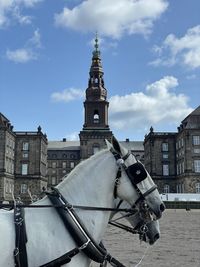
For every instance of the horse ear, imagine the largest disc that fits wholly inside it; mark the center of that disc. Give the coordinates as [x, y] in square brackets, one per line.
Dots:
[109, 145]
[116, 145]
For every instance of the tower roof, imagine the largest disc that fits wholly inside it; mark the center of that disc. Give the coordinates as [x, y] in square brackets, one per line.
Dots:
[96, 66]
[96, 90]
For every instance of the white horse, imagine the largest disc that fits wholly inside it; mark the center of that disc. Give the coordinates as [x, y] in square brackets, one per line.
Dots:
[91, 183]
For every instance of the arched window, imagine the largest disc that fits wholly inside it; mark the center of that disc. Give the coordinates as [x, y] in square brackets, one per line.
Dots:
[96, 80]
[96, 116]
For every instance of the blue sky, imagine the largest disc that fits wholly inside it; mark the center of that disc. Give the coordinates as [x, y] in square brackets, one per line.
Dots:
[150, 52]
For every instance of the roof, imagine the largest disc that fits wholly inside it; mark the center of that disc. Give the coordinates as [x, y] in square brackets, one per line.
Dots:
[63, 145]
[3, 119]
[192, 121]
[133, 145]
[75, 145]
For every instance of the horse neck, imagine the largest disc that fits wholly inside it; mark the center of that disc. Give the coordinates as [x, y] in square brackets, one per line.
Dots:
[91, 182]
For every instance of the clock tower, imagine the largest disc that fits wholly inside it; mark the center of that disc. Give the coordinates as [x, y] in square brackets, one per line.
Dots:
[95, 128]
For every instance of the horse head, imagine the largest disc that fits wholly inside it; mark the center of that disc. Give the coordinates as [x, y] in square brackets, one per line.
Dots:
[133, 182]
[148, 229]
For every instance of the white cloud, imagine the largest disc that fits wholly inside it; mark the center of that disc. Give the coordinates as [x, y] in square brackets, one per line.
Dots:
[67, 95]
[112, 18]
[28, 52]
[21, 55]
[35, 40]
[12, 10]
[157, 105]
[184, 50]
[73, 136]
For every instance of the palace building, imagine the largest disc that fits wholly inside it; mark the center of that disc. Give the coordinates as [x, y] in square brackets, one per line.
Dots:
[29, 163]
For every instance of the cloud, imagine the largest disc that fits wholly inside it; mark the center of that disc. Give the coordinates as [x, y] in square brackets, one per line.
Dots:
[67, 95]
[35, 40]
[20, 55]
[73, 136]
[112, 18]
[184, 50]
[28, 52]
[159, 104]
[12, 10]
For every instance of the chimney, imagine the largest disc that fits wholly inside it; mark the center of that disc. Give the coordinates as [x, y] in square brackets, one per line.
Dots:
[64, 139]
[127, 140]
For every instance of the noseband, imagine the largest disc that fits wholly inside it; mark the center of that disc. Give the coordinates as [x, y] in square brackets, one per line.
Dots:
[136, 173]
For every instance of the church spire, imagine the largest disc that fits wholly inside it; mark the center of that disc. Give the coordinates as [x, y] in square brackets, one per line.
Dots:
[95, 127]
[96, 89]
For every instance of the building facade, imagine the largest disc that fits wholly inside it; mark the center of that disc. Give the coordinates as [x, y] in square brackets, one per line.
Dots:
[173, 159]
[29, 163]
[23, 162]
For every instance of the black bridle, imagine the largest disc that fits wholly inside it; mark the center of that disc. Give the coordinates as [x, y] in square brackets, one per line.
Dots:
[136, 173]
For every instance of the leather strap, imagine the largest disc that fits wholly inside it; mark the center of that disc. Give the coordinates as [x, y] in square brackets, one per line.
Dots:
[20, 254]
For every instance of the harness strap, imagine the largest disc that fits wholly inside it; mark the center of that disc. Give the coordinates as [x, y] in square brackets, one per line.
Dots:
[76, 228]
[154, 187]
[66, 258]
[19, 253]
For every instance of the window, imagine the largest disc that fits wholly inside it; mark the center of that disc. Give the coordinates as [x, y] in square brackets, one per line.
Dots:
[64, 165]
[182, 142]
[53, 180]
[165, 156]
[96, 116]
[72, 164]
[25, 146]
[197, 187]
[197, 165]
[177, 169]
[166, 189]
[197, 150]
[164, 146]
[24, 169]
[25, 154]
[53, 164]
[24, 188]
[183, 167]
[196, 140]
[165, 169]
[180, 188]
[7, 186]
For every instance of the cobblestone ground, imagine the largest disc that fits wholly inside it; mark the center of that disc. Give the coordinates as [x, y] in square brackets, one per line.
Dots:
[178, 246]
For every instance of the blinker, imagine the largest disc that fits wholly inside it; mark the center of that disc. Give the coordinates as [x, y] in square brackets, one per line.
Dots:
[136, 172]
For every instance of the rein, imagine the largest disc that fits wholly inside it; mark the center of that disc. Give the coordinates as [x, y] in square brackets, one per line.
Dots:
[70, 206]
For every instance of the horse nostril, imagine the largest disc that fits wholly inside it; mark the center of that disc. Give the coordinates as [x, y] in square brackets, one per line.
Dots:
[162, 207]
[156, 237]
